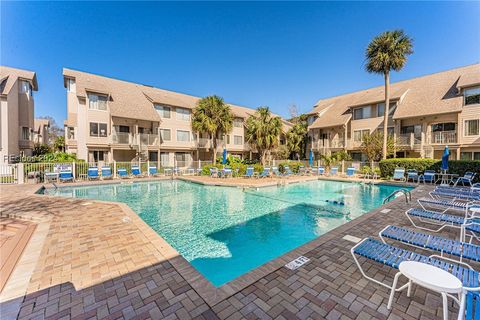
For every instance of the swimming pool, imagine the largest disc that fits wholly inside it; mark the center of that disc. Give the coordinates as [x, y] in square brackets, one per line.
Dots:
[234, 230]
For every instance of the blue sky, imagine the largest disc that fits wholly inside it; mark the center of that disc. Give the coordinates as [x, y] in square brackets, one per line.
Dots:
[252, 54]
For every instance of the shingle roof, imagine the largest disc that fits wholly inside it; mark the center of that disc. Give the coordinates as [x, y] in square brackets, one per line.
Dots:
[431, 94]
[469, 79]
[131, 100]
[9, 75]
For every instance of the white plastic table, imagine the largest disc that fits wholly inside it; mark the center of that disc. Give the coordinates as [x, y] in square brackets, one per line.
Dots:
[429, 277]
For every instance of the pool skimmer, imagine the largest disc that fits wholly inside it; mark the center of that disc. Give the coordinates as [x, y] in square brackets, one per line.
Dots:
[297, 263]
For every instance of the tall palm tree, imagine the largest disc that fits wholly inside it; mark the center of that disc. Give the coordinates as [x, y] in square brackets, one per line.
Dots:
[214, 117]
[296, 139]
[262, 131]
[386, 52]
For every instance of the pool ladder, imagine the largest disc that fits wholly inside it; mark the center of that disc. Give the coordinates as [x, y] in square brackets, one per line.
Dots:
[405, 192]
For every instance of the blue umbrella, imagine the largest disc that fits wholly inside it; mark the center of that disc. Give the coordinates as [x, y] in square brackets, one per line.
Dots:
[446, 154]
[310, 159]
[224, 161]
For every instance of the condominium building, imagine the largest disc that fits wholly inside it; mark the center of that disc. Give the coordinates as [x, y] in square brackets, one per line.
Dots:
[16, 112]
[114, 120]
[426, 114]
[40, 131]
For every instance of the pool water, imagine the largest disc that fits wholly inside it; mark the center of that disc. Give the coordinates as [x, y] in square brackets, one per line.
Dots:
[225, 232]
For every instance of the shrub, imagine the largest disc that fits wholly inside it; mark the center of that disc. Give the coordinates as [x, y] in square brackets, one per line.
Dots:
[454, 166]
[206, 168]
[293, 165]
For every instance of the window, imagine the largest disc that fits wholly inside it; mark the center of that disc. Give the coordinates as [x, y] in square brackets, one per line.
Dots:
[25, 133]
[163, 111]
[125, 129]
[472, 96]
[183, 135]
[183, 114]
[469, 155]
[238, 122]
[311, 119]
[237, 140]
[71, 86]
[472, 127]
[381, 109]
[448, 126]
[362, 113]
[164, 158]
[25, 87]
[390, 130]
[98, 129]
[71, 133]
[97, 102]
[359, 134]
[98, 155]
[228, 138]
[165, 134]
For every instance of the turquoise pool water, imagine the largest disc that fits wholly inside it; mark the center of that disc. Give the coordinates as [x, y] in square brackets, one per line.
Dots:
[225, 232]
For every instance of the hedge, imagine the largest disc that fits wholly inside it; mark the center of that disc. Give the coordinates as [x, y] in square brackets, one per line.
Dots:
[454, 166]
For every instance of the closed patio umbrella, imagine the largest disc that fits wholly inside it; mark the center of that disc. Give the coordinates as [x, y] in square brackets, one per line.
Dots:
[224, 160]
[446, 154]
[310, 159]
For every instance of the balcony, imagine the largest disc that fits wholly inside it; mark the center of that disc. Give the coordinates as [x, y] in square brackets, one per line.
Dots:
[121, 138]
[148, 139]
[443, 137]
[203, 143]
[328, 144]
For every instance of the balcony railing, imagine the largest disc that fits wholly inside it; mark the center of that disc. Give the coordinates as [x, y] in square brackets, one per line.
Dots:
[121, 138]
[444, 137]
[203, 143]
[325, 144]
[149, 139]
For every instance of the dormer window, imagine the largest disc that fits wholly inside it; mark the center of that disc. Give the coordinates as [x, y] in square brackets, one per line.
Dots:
[238, 122]
[472, 96]
[381, 109]
[311, 119]
[362, 113]
[97, 102]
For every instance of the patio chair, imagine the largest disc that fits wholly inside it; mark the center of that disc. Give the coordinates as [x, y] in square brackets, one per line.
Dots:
[467, 178]
[66, 175]
[392, 256]
[444, 204]
[351, 172]
[106, 173]
[399, 174]
[92, 173]
[214, 172]
[412, 175]
[470, 306]
[122, 173]
[427, 176]
[287, 171]
[226, 172]
[168, 171]
[301, 170]
[475, 186]
[455, 194]
[276, 172]
[249, 172]
[461, 250]
[321, 171]
[443, 220]
[333, 171]
[265, 173]
[136, 172]
[153, 171]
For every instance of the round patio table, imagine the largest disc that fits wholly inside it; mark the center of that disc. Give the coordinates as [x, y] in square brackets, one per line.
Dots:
[430, 277]
[446, 178]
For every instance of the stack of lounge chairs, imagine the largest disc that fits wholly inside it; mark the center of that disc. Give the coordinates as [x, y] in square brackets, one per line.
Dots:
[445, 207]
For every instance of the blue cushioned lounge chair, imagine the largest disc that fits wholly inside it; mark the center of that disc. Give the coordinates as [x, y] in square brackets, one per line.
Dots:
[470, 306]
[444, 204]
[136, 172]
[392, 256]
[66, 175]
[92, 173]
[276, 172]
[456, 194]
[106, 173]
[287, 171]
[214, 172]
[321, 171]
[153, 171]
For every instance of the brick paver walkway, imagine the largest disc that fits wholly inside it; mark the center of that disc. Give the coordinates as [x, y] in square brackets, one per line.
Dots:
[98, 263]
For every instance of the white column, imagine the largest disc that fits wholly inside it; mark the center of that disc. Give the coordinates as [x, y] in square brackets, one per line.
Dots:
[20, 173]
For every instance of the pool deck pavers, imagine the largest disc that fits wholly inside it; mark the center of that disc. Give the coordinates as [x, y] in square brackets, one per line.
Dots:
[98, 260]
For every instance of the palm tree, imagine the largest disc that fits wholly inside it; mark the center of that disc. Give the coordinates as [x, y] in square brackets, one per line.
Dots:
[214, 117]
[386, 52]
[262, 131]
[296, 139]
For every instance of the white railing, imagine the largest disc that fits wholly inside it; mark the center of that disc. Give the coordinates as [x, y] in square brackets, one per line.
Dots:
[404, 139]
[149, 139]
[444, 137]
[8, 173]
